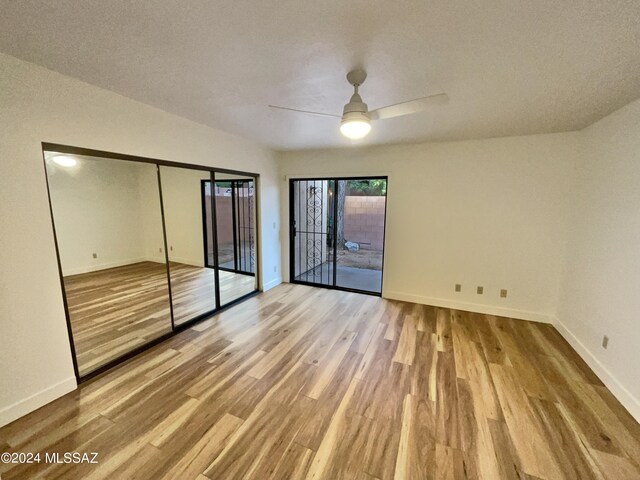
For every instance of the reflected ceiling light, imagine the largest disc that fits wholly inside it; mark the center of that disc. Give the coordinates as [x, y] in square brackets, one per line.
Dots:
[65, 161]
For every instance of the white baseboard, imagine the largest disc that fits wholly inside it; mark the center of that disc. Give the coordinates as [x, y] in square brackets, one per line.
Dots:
[37, 400]
[273, 283]
[155, 259]
[618, 390]
[471, 307]
[101, 266]
[186, 261]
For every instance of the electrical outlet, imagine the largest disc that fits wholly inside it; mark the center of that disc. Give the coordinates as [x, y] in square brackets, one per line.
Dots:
[275, 268]
[503, 293]
[171, 248]
[160, 249]
[605, 342]
[95, 255]
[458, 287]
[480, 290]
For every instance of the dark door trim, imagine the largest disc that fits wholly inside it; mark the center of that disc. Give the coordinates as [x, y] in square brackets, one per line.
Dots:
[56, 147]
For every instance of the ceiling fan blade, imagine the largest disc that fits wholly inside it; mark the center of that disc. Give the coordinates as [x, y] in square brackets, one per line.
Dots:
[304, 111]
[408, 108]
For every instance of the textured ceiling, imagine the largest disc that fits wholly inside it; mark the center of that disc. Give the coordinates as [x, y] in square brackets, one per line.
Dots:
[510, 67]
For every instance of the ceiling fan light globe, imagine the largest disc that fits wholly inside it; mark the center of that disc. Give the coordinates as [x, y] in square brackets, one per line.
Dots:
[355, 125]
[355, 130]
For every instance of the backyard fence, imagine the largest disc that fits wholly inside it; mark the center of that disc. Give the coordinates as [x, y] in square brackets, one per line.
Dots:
[364, 221]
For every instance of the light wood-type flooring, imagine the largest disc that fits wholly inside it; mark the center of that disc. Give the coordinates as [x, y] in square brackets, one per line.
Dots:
[115, 310]
[306, 383]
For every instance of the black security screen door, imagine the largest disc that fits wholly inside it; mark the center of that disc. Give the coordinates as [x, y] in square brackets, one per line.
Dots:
[337, 232]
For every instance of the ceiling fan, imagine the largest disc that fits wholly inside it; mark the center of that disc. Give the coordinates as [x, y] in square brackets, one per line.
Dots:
[356, 118]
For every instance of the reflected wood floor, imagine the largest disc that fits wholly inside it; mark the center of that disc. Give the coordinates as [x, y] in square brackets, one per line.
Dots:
[115, 310]
[192, 290]
[309, 383]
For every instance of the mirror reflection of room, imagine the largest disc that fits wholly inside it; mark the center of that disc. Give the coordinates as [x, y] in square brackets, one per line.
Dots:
[236, 235]
[145, 247]
[187, 222]
[108, 227]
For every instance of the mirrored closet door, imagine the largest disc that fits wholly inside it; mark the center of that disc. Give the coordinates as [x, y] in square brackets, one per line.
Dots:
[145, 248]
[108, 225]
[188, 222]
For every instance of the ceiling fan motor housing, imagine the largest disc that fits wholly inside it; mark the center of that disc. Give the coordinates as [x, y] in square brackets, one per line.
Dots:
[356, 109]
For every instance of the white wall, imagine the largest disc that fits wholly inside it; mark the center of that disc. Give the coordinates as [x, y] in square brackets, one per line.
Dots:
[182, 202]
[601, 286]
[488, 212]
[150, 215]
[39, 105]
[97, 206]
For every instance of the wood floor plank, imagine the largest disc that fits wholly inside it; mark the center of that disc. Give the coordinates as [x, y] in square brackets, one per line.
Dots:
[196, 460]
[506, 456]
[273, 420]
[571, 455]
[481, 383]
[324, 372]
[330, 441]
[615, 429]
[447, 422]
[320, 417]
[295, 463]
[623, 415]
[443, 330]
[417, 449]
[615, 467]
[587, 422]
[532, 449]
[301, 382]
[380, 457]
[477, 443]
[370, 352]
[493, 349]
[559, 347]
[449, 464]
[406, 348]
[424, 374]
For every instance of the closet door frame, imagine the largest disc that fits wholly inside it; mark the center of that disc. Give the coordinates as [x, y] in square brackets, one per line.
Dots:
[175, 329]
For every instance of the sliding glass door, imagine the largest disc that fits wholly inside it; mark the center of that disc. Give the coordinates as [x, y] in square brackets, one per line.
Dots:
[337, 232]
[235, 213]
[235, 234]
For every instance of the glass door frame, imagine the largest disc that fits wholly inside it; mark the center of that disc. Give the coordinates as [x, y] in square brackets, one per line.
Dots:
[293, 227]
[175, 329]
[235, 227]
